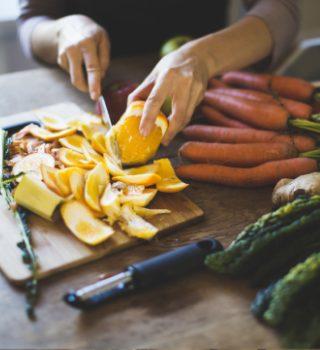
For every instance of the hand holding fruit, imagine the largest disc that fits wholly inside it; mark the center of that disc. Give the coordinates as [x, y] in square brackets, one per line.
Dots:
[181, 75]
[83, 43]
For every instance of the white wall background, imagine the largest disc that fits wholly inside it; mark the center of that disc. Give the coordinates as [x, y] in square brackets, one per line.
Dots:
[12, 59]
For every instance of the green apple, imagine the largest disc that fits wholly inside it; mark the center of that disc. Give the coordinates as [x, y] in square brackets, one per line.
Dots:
[173, 44]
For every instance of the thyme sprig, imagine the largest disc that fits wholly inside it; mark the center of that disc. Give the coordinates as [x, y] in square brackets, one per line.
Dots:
[28, 254]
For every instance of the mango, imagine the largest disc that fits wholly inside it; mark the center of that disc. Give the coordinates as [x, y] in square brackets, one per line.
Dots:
[34, 195]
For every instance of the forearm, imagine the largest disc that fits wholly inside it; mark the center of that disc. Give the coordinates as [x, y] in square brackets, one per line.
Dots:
[238, 46]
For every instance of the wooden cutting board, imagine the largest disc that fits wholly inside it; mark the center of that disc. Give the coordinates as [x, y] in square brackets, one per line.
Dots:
[56, 248]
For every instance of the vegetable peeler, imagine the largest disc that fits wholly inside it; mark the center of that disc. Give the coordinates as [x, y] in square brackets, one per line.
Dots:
[145, 273]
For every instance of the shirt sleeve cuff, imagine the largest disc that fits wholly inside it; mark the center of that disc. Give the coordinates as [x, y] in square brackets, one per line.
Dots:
[282, 19]
[25, 30]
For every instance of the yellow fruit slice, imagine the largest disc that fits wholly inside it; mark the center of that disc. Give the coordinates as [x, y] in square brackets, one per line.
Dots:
[63, 179]
[112, 146]
[91, 154]
[98, 142]
[134, 225]
[110, 203]
[96, 181]
[74, 142]
[145, 169]
[63, 185]
[48, 136]
[135, 148]
[31, 163]
[83, 224]
[139, 199]
[169, 183]
[113, 167]
[75, 159]
[77, 183]
[49, 178]
[148, 213]
[89, 129]
[53, 122]
[33, 194]
[139, 179]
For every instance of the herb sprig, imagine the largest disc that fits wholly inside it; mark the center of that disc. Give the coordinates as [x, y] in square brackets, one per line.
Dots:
[28, 254]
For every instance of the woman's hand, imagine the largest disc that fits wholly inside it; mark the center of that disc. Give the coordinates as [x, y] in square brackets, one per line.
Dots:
[181, 75]
[83, 50]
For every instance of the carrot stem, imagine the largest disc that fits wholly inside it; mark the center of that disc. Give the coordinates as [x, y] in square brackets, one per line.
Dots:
[315, 118]
[306, 124]
[314, 154]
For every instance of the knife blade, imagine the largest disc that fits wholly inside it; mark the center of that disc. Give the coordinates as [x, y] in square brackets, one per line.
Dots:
[105, 113]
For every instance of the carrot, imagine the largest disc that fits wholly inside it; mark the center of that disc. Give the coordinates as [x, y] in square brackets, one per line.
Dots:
[294, 88]
[241, 154]
[248, 80]
[252, 95]
[265, 174]
[258, 114]
[217, 118]
[295, 108]
[209, 133]
[216, 83]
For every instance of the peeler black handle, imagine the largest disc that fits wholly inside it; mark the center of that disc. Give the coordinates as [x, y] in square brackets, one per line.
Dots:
[173, 263]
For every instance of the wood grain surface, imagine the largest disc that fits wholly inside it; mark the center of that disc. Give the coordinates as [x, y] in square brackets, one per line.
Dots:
[56, 248]
[200, 311]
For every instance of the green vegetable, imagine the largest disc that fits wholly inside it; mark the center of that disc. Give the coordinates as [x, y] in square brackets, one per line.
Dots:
[246, 255]
[28, 254]
[292, 304]
[289, 287]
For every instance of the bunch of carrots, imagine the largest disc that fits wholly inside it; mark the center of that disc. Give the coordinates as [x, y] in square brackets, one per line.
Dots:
[255, 134]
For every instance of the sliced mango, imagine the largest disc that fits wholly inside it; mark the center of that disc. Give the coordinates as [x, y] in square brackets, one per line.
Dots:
[139, 179]
[77, 183]
[139, 199]
[48, 136]
[74, 142]
[112, 146]
[148, 213]
[83, 224]
[49, 178]
[75, 159]
[96, 181]
[91, 154]
[89, 129]
[53, 122]
[63, 179]
[110, 203]
[145, 169]
[98, 142]
[31, 163]
[134, 225]
[169, 181]
[113, 167]
[34, 195]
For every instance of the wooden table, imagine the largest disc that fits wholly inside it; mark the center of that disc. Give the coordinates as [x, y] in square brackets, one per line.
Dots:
[199, 311]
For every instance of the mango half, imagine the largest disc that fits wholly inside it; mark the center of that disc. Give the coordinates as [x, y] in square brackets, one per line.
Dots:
[35, 196]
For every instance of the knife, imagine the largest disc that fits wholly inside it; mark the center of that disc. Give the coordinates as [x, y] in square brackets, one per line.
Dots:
[104, 112]
[139, 275]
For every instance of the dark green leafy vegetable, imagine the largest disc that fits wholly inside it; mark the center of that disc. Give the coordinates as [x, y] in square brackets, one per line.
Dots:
[288, 288]
[28, 254]
[292, 304]
[254, 245]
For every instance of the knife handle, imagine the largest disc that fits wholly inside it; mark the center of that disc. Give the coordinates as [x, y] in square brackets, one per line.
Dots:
[173, 263]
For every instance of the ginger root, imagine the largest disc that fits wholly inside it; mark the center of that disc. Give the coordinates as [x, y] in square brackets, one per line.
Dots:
[286, 190]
